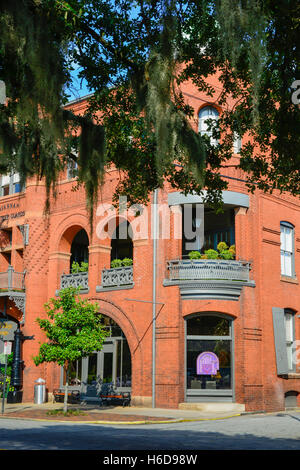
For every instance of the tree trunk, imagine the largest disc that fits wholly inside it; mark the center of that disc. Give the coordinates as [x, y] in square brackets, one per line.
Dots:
[66, 389]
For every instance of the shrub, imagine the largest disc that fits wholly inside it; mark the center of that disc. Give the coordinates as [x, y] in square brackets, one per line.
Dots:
[116, 263]
[127, 262]
[194, 255]
[79, 268]
[232, 249]
[211, 254]
[222, 246]
[226, 254]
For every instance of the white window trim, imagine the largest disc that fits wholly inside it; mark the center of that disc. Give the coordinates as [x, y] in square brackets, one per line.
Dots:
[288, 271]
[202, 123]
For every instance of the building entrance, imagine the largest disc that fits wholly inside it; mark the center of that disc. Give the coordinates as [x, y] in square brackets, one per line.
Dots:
[110, 366]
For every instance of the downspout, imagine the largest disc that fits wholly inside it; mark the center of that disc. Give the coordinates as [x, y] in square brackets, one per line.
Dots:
[154, 260]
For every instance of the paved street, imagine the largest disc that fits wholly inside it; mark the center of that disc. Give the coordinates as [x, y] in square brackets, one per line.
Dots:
[263, 432]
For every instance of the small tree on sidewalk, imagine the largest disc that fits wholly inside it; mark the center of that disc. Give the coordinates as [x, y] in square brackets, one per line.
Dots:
[74, 330]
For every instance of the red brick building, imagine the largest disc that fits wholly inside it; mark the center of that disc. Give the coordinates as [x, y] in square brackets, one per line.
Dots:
[182, 331]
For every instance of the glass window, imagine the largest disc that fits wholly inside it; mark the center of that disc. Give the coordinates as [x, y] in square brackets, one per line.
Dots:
[237, 143]
[290, 338]
[208, 354]
[211, 325]
[286, 249]
[206, 116]
[72, 169]
[217, 379]
[10, 184]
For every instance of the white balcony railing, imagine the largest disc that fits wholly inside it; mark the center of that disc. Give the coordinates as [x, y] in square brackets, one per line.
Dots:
[117, 277]
[75, 280]
[210, 269]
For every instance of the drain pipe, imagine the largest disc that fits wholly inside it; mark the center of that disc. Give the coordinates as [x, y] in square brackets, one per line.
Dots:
[154, 235]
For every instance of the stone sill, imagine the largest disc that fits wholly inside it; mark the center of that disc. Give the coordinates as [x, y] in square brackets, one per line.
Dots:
[111, 288]
[291, 375]
[291, 280]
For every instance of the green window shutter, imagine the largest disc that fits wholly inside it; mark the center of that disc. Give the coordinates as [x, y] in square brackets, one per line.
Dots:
[280, 341]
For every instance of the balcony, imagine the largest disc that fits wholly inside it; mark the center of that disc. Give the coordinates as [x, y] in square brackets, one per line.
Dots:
[12, 285]
[209, 279]
[77, 280]
[11, 280]
[116, 278]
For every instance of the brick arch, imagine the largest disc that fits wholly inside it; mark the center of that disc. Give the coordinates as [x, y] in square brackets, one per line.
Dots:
[66, 230]
[110, 309]
[106, 222]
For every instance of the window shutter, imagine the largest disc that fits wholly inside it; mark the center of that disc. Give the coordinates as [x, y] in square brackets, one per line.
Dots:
[280, 341]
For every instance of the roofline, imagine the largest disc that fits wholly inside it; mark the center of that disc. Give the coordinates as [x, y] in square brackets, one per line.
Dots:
[78, 100]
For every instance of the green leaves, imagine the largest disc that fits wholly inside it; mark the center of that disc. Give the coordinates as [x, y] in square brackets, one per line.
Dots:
[73, 331]
[135, 56]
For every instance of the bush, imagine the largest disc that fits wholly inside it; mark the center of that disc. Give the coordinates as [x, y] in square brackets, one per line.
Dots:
[232, 249]
[226, 254]
[212, 254]
[222, 246]
[116, 263]
[194, 255]
[71, 412]
[127, 262]
[79, 268]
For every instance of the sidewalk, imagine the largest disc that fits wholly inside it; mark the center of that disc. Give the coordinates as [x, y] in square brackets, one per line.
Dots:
[111, 414]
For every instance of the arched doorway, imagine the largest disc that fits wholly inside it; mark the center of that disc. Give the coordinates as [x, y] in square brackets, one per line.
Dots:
[209, 357]
[111, 365]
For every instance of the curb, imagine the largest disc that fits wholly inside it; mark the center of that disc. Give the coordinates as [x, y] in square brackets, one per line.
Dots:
[171, 421]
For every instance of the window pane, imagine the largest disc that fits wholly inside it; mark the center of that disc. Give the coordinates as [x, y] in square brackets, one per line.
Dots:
[92, 374]
[288, 263]
[288, 239]
[75, 372]
[289, 326]
[290, 356]
[123, 365]
[208, 326]
[221, 380]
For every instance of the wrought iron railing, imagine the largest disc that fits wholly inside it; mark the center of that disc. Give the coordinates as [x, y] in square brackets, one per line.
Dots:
[76, 280]
[116, 277]
[11, 280]
[209, 269]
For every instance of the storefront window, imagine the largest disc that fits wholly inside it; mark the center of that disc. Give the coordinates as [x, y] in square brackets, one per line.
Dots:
[208, 354]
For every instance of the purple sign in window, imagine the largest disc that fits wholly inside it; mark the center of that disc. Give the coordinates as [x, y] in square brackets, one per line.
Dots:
[207, 363]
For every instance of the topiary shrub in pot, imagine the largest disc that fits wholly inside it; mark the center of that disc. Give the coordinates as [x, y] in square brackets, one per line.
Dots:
[194, 255]
[79, 268]
[127, 262]
[211, 254]
[116, 263]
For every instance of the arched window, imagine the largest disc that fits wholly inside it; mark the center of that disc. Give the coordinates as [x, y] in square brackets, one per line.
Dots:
[206, 116]
[287, 249]
[121, 243]
[80, 248]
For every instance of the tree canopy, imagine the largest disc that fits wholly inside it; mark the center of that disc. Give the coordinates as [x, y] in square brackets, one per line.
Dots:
[134, 55]
[74, 329]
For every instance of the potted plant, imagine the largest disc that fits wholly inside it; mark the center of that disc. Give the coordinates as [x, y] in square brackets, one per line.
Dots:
[222, 252]
[79, 268]
[119, 263]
